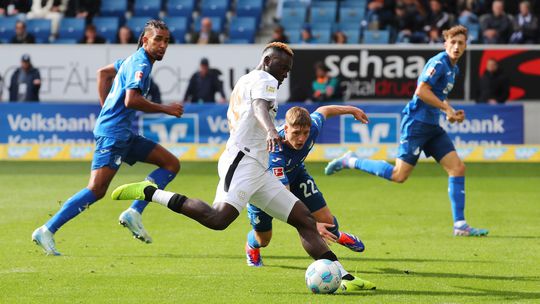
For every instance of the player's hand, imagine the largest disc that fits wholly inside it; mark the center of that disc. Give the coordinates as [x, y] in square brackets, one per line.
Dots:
[174, 109]
[451, 115]
[323, 231]
[273, 141]
[360, 116]
[460, 116]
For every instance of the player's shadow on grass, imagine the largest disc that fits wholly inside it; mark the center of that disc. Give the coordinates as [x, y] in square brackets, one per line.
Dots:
[394, 271]
[365, 259]
[514, 237]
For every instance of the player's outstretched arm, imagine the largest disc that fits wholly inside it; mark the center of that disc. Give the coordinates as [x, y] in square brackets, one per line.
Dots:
[134, 100]
[261, 110]
[105, 77]
[331, 111]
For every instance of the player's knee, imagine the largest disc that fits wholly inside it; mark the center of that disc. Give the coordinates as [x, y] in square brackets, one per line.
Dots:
[400, 178]
[172, 165]
[264, 242]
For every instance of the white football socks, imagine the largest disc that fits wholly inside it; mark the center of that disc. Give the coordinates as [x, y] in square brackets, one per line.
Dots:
[162, 197]
[343, 271]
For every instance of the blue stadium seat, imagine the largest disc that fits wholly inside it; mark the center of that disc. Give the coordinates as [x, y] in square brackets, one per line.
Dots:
[116, 8]
[294, 35]
[346, 26]
[376, 37]
[351, 15]
[40, 28]
[321, 36]
[136, 24]
[107, 27]
[180, 8]
[217, 24]
[324, 3]
[292, 25]
[178, 26]
[7, 28]
[214, 8]
[353, 36]
[354, 3]
[323, 14]
[474, 32]
[250, 8]
[147, 8]
[71, 28]
[237, 41]
[65, 41]
[294, 3]
[293, 15]
[243, 28]
[327, 26]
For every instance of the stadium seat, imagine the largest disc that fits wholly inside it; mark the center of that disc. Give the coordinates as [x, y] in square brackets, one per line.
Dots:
[65, 41]
[293, 15]
[237, 41]
[294, 35]
[180, 8]
[353, 36]
[40, 28]
[7, 28]
[474, 32]
[214, 8]
[107, 27]
[376, 37]
[321, 36]
[147, 8]
[250, 8]
[217, 24]
[116, 8]
[347, 26]
[354, 3]
[71, 28]
[295, 3]
[178, 26]
[136, 24]
[243, 28]
[322, 26]
[323, 14]
[351, 15]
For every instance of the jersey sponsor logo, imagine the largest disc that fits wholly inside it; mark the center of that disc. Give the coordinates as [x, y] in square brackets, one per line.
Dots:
[138, 75]
[278, 172]
[276, 159]
[270, 89]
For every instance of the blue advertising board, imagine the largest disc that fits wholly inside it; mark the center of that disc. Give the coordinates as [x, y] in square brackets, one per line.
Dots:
[73, 123]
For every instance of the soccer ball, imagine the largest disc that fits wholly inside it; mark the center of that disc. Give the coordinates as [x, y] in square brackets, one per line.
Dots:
[323, 276]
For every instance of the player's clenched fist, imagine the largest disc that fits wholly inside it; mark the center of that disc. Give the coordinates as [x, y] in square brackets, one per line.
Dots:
[174, 109]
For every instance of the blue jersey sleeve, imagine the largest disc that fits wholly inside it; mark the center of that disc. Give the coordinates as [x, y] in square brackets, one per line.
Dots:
[118, 63]
[277, 164]
[136, 73]
[317, 121]
[433, 70]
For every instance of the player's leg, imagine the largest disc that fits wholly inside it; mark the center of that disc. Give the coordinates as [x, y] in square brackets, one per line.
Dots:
[444, 152]
[106, 161]
[350, 160]
[345, 239]
[147, 151]
[259, 236]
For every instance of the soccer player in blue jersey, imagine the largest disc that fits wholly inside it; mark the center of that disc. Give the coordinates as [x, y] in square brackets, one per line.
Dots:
[420, 131]
[115, 140]
[300, 133]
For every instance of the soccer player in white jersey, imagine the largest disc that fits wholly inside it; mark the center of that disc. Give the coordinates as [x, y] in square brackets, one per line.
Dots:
[243, 166]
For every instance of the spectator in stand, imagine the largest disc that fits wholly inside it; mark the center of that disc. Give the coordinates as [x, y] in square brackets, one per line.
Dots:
[14, 7]
[49, 9]
[379, 14]
[125, 36]
[306, 36]
[437, 17]
[324, 87]
[21, 35]
[494, 85]
[434, 36]
[496, 27]
[204, 84]
[86, 9]
[91, 36]
[408, 24]
[339, 37]
[206, 35]
[25, 82]
[278, 35]
[525, 25]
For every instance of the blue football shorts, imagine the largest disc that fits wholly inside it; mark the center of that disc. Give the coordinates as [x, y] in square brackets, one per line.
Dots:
[303, 187]
[417, 136]
[112, 152]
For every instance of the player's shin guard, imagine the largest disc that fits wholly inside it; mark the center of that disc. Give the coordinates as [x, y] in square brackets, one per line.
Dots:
[71, 208]
[456, 192]
[161, 177]
[375, 167]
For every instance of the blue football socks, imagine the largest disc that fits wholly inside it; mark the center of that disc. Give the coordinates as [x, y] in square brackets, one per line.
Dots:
[335, 230]
[376, 167]
[161, 177]
[252, 241]
[456, 192]
[71, 208]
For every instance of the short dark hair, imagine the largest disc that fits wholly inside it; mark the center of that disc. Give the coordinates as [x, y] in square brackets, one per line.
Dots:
[154, 24]
[279, 46]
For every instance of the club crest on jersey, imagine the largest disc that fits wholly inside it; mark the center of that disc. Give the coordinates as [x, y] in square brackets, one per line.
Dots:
[278, 172]
[430, 71]
[138, 75]
[270, 89]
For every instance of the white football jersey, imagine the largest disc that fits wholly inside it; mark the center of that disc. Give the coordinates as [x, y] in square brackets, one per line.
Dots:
[246, 132]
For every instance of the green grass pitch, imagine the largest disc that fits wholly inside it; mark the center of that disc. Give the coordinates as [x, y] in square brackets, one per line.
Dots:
[410, 252]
